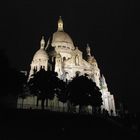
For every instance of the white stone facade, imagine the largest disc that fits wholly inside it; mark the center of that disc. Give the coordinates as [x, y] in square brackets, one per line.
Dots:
[63, 57]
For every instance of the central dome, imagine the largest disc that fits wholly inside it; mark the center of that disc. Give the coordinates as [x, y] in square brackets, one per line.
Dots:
[61, 38]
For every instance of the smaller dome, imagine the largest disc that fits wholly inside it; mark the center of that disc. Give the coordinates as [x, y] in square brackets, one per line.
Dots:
[40, 54]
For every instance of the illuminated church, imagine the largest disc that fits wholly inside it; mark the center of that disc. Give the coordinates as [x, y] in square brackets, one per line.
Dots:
[61, 55]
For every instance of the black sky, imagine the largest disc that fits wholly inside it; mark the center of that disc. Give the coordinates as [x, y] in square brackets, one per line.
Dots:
[110, 27]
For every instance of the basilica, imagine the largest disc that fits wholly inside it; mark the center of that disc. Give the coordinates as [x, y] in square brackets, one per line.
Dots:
[60, 54]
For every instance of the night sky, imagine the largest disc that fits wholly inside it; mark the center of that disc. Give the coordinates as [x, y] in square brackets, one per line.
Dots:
[110, 27]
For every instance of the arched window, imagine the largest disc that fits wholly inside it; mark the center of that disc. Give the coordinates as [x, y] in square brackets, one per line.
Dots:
[64, 58]
[77, 60]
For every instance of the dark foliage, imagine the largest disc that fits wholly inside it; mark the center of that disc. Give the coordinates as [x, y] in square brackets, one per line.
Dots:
[83, 91]
[61, 91]
[44, 84]
[11, 80]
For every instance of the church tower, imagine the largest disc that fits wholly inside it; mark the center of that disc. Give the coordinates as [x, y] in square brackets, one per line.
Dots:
[95, 70]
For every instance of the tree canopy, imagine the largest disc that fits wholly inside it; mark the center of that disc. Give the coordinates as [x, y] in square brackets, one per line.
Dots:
[83, 91]
[44, 85]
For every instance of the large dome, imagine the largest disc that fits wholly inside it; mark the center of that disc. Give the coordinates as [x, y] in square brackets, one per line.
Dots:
[61, 37]
[40, 54]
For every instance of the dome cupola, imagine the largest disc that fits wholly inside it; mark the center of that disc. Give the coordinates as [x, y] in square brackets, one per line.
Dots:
[61, 39]
[60, 24]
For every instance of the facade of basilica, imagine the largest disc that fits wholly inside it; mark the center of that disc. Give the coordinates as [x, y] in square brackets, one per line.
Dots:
[60, 54]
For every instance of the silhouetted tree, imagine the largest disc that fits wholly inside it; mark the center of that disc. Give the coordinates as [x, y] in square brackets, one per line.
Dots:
[44, 85]
[83, 91]
[16, 82]
[25, 92]
[11, 79]
[95, 98]
[61, 92]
